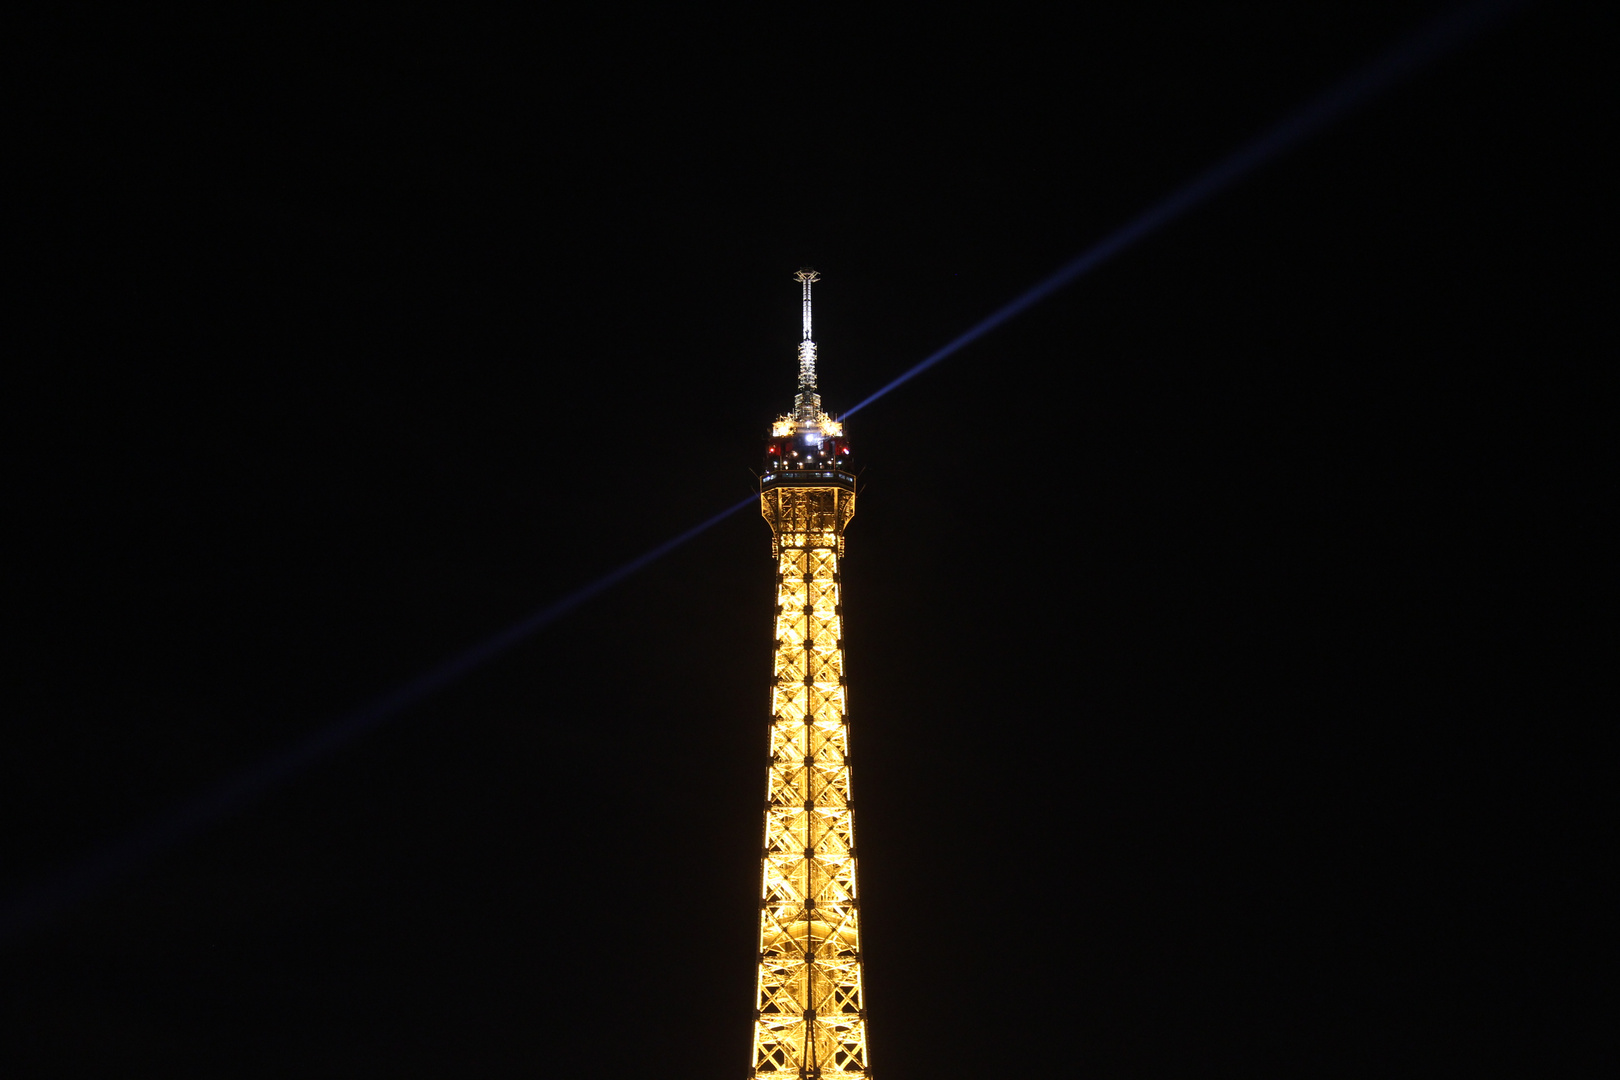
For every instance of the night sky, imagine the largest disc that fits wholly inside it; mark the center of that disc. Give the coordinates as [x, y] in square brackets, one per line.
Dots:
[1219, 632]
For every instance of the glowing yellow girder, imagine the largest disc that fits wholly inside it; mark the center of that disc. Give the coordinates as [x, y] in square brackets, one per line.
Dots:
[811, 1018]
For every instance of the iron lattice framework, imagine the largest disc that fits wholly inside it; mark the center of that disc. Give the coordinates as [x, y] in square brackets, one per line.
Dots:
[810, 1019]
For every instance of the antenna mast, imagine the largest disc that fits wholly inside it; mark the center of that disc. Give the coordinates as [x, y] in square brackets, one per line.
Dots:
[807, 404]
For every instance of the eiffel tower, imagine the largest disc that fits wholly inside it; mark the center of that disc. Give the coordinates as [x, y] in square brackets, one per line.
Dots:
[810, 1013]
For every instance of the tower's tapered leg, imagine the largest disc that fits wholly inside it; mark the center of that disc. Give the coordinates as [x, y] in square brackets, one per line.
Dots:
[811, 1014]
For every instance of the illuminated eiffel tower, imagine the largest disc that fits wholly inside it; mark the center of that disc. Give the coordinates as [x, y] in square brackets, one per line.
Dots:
[810, 1019]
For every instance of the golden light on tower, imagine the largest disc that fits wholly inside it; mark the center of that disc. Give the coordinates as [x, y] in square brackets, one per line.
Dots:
[810, 1019]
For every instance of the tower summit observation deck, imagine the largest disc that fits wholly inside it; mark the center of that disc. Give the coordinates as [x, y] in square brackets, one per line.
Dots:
[810, 1014]
[807, 453]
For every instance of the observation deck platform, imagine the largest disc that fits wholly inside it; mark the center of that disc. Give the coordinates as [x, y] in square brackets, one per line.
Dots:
[777, 479]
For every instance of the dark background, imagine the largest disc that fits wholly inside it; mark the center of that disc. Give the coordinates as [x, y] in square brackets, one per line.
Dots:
[1218, 629]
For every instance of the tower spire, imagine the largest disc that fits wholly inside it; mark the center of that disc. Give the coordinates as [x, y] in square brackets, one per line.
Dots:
[807, 404]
